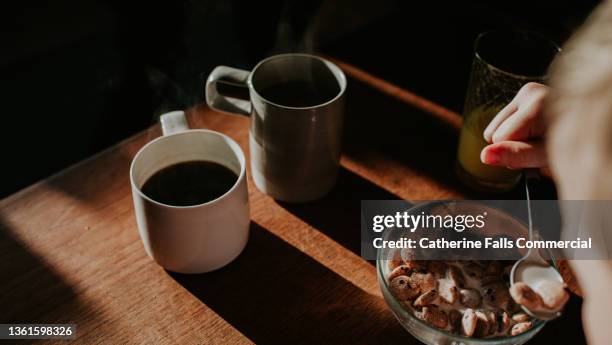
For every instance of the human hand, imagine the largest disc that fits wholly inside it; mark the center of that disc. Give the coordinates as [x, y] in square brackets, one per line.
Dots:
[515, 135]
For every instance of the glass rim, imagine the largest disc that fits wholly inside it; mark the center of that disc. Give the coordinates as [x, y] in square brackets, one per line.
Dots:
[532, 33]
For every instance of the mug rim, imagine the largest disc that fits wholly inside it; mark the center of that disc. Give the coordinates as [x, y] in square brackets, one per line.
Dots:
[241, 158]
[333, 67]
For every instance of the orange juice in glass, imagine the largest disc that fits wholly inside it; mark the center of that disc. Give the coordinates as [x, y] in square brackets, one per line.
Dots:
[503, 62]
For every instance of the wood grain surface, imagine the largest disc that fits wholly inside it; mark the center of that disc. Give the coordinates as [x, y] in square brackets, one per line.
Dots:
[70, 251]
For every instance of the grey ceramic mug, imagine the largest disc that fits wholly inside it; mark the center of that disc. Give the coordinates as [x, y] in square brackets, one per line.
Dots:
[295, 150]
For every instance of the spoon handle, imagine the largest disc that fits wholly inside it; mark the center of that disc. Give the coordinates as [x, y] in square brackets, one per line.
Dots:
[529, 220]
[529, 174]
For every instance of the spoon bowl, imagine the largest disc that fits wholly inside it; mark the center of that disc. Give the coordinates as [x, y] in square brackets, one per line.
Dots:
[532, 269]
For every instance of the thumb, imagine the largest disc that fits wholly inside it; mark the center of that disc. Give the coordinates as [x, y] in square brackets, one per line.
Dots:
[515, 154]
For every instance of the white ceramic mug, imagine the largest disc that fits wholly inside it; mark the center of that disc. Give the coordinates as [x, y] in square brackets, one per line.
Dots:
[295, 151]
[199, 238]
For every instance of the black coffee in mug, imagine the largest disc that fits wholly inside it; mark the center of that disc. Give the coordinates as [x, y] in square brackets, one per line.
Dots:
[300, 93]
[296, 105]
[189, 183]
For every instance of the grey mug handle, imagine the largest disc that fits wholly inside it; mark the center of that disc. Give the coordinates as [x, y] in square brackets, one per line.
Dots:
[217, 101]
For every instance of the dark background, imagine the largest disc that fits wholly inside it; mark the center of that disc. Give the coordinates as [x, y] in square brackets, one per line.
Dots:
[80, 75]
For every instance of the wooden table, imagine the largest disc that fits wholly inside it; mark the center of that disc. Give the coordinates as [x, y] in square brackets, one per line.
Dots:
[70, 251]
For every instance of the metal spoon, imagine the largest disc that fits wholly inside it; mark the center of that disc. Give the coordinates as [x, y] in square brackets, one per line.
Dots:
[532, 268]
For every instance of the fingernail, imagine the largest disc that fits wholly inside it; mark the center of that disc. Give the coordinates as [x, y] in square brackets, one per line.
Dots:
[485, 135]
[490, 157]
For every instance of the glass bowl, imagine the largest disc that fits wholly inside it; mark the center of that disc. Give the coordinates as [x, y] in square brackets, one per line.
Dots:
[422, 330]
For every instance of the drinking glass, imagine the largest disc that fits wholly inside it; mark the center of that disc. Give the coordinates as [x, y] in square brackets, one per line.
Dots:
[503, 62]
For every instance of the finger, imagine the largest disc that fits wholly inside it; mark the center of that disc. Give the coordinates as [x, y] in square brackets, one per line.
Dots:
[506, 112]
[524, 124]
[515, 154]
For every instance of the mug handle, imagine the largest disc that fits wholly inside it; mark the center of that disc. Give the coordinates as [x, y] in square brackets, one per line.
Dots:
[223, 103]
[173, 122]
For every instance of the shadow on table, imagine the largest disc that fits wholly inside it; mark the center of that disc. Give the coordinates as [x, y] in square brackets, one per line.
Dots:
[338, 214]
[377, 123]
[382, 125]
[275, 294]
[30, 290]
